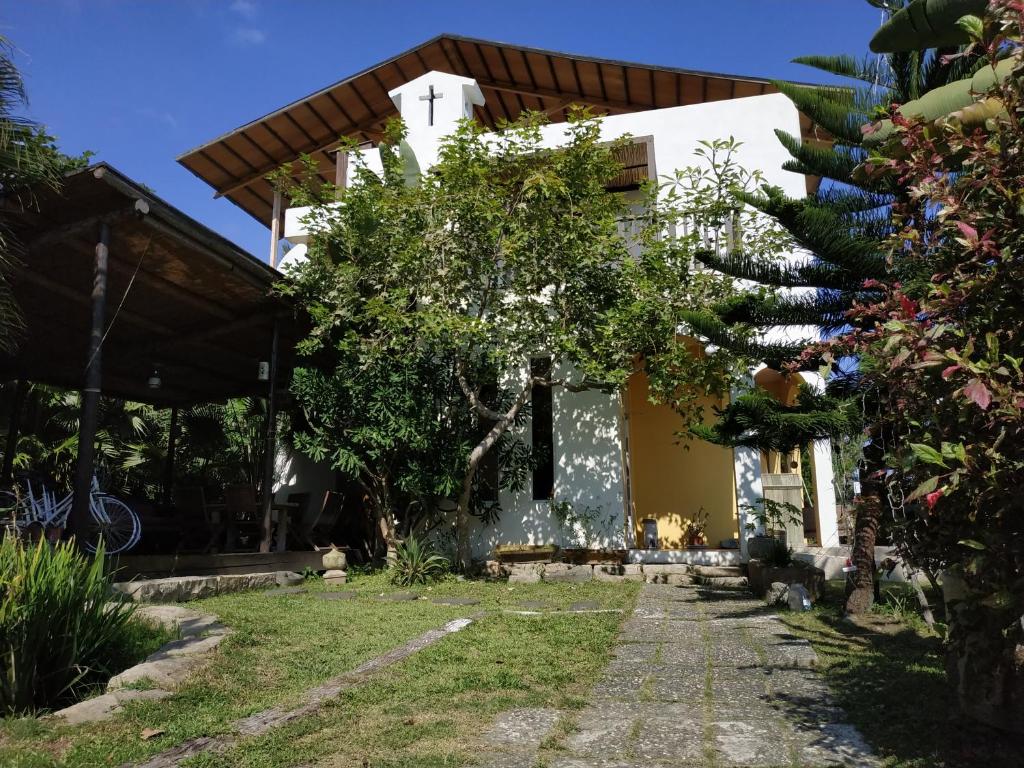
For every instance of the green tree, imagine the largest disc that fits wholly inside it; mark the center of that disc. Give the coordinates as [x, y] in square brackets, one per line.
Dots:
[428, 301]
[841, 232]
[28, 158]
[947, 357]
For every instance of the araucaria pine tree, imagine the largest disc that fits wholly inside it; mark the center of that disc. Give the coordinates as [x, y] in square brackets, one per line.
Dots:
[840, 232]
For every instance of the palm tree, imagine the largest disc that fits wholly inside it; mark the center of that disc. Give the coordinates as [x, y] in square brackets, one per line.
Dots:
[28, 158]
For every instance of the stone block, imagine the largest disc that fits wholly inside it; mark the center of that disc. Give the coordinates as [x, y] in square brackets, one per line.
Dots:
[180, 589]
[776, 594]
[676, 574]
[660, 569]
[525, 573]
[494, 569]
[289, 579]
[762, 576]
[724, 582]
[629, 572]
[167, 673]
[521, 728]
[335, 577]
[718, 570]
[565, 573]
[188, 646]
[104, 707]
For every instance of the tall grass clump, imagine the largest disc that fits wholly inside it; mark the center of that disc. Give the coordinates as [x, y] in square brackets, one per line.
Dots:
[60, 637]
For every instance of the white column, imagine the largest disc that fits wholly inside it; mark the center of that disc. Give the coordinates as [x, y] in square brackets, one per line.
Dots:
[823, 478]
[824, 493]
[747, 462]
[747, 473]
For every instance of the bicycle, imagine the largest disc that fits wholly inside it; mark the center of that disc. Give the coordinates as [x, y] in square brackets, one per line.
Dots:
[34, 504]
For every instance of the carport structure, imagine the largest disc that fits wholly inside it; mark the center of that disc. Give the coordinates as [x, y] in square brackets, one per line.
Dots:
[124, 295]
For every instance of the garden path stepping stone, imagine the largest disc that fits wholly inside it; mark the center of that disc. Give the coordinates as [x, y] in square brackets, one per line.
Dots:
[337, 595]
[285, 591]
[583, 606]
[399, 597]
[455, 601]
[722, 682]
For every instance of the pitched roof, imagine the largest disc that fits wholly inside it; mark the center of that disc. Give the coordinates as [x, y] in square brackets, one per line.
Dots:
[180, 298]
[513, 78]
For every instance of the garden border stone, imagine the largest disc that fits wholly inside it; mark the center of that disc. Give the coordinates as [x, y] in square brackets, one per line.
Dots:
[182, 589]
[168, 667]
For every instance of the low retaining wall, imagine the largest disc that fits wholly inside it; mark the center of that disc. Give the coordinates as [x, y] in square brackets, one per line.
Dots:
[705, 556]
[181, 589]
[679, 574]
[158, 566]
[832, 560]
[762, 576]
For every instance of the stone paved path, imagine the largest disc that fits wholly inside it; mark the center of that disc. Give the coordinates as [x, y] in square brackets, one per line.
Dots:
[705, 678]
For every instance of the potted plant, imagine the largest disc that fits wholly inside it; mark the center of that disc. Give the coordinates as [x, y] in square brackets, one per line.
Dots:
[693, 531]
[771, 517]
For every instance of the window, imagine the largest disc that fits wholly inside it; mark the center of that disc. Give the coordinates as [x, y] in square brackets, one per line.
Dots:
[543, 433]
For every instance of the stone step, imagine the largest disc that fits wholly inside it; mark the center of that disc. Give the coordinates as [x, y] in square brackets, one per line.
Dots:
[718, 570]
[675, 579]
[728, 582]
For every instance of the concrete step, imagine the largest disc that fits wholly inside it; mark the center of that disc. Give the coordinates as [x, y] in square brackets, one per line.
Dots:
[718, 570]
[728, 582]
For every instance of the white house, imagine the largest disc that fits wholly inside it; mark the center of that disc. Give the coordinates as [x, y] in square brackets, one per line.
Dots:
[615, 455]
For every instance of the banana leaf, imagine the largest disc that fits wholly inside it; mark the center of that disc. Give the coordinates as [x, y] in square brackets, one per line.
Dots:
[926, 24]
[980, 112]
[947, 100]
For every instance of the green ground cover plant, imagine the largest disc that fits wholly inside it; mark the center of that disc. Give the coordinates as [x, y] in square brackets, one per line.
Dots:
[886, 669]
[427, 710]
[59, 637]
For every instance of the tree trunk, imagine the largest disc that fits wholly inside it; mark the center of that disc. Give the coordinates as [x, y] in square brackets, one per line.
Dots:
[380, 506]
[860, 587]
[463, 551]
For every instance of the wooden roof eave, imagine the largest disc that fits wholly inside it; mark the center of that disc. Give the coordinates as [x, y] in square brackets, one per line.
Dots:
[512, 78]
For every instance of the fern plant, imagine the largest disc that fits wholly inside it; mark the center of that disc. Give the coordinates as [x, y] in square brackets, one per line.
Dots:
[417, 563]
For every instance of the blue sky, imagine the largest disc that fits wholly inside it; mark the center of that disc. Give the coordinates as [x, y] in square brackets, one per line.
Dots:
[140, 81]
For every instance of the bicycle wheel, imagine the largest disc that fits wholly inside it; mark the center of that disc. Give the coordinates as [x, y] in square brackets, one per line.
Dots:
[115, 523]
[9, 511]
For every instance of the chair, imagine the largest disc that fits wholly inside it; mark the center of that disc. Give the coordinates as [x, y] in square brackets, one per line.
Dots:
[319, 532]
[199, 521]
[244, 518]
[303, 519]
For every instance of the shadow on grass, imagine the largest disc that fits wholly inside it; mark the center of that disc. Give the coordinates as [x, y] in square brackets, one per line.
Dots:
[890, 680]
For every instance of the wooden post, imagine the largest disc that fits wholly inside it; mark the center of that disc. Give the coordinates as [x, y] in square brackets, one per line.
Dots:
[270, 435]
[341, 169]
[275, 227]
[172, 444]
[13, 430]
[78, 522]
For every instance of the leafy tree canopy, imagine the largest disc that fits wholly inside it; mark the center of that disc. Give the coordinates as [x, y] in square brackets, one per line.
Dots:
[429, 297]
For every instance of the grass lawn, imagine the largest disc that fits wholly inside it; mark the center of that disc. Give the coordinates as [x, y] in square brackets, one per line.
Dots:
[886, 670]
[427, 710]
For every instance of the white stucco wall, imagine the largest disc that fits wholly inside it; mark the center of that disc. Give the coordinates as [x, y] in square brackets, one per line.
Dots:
[297, 473]
[677, 131]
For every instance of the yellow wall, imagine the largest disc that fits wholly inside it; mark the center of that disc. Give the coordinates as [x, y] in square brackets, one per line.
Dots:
[670, 483]
[784, 390]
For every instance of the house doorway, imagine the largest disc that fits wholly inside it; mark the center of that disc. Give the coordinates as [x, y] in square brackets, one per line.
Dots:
[671, 479]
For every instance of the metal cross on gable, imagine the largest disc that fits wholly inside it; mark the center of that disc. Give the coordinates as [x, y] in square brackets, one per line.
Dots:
[431, 97]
